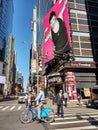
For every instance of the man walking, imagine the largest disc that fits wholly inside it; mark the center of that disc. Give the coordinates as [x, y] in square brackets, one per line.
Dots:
[59, 101]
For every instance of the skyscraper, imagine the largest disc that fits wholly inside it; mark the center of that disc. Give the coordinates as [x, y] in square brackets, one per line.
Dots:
[6, 19]
[43, 6]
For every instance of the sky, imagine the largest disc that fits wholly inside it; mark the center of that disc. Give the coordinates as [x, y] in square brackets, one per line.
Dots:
[22, 18]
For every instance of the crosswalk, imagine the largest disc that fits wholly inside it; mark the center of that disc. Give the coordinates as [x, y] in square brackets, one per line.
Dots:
[75, 121]
[10, 108]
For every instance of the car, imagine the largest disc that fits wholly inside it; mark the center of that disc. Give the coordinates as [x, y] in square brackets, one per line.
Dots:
[93, 103]
[21, 97]
[1, 97]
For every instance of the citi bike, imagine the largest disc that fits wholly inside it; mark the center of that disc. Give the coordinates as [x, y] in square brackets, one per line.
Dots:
[30, 114]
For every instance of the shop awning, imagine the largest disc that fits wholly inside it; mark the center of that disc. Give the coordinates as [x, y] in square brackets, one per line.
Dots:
[2, 79]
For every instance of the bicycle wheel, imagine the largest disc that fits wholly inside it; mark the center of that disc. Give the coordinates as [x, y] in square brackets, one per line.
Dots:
[26, 116]
[50, 117]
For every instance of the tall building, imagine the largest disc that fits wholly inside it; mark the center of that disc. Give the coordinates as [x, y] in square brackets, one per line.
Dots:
[11, 65]
[81, 73]
[6, 19]
[43, 6]
[19, 81]
[84, 24]
[38, 36]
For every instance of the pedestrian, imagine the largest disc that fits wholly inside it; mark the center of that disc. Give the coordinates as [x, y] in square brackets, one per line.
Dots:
[79, 99]
[65, 98]
[29, 98]
[40, 100]
[26, 100]
[59, 102]
[53, 98]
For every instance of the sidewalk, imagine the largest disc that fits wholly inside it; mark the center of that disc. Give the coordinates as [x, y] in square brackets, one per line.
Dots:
[71, 104]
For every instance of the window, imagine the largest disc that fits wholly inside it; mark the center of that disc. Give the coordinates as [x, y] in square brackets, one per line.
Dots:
[80, 1]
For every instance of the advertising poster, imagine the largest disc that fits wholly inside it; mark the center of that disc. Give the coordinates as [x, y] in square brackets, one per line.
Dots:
[57, 30]
[87, 92]
[33, 65]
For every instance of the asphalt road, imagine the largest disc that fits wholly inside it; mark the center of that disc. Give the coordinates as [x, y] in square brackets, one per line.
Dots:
[9, 117]
[74, 119]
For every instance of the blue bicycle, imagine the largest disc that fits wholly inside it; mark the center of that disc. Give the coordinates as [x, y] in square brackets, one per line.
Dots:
[30, 114]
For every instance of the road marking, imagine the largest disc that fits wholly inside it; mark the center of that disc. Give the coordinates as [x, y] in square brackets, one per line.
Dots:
[76, 117]
[12, 108]
[70, 122]
[5, 108]
[81, 114]
[80, 128]
[1, 106]
[19, 107]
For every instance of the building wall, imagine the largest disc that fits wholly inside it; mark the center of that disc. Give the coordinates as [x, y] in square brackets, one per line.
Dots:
[43, 6]
[84, 33]
[84, 25]
[6, 18]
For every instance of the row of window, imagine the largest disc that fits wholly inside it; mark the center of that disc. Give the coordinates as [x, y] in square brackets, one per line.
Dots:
[89, 2]
[90, 22]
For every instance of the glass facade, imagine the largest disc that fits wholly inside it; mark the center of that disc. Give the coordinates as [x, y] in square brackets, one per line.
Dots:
[6, 19]
[43, 6]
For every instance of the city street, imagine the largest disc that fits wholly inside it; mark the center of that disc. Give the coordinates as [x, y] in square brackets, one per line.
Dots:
[75, 118]
[9, 117]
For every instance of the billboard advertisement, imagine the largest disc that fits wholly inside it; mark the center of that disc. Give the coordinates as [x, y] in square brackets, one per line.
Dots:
[33, 65]
[57, 30]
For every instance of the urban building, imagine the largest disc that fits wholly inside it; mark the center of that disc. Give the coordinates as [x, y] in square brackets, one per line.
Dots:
[11, 67]
[43, 7]
[80, 74]
[19, 81]
[6, 19]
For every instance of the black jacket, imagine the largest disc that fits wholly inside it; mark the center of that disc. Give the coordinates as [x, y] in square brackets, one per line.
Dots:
[59, 100]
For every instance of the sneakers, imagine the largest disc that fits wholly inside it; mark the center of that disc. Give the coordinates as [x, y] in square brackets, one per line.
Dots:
[62, 116]
[39, 120]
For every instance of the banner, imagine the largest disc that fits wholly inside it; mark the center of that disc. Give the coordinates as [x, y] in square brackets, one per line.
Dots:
[33, 65]
[87, 92]
[57, 30]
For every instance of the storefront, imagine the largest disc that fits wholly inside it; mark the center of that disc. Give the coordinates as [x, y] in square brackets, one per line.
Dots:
[74, 77]
[84, 77]
[55, 82]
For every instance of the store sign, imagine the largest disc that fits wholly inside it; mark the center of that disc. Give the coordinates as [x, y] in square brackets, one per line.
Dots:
[54, 74]
[54, 77]
[81, 64]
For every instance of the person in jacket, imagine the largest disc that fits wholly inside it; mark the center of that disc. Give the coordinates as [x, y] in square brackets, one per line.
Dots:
[40, 99]
[59, 102]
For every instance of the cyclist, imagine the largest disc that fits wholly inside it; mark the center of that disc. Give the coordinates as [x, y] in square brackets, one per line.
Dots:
[39, 99]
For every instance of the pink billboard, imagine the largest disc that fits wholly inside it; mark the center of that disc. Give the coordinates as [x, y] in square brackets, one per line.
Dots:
[57, 31]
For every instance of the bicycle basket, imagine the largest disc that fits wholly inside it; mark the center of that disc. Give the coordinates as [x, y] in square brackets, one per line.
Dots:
[45, 112]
